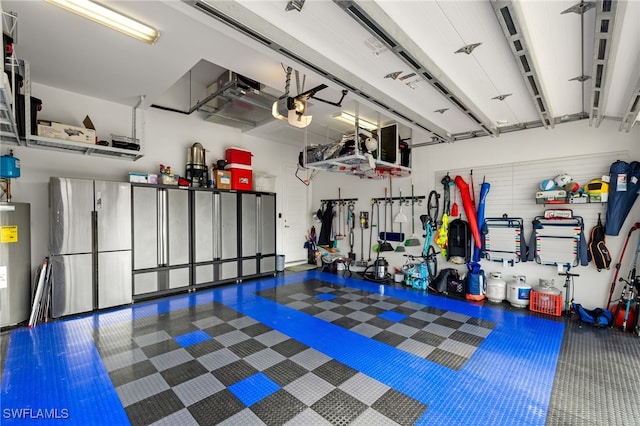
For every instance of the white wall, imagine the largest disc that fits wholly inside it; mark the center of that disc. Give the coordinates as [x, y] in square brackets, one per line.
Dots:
[566, 140]
[167, 139]
[168, 136]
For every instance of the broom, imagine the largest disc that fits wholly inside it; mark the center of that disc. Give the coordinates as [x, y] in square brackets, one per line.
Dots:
[413, 240]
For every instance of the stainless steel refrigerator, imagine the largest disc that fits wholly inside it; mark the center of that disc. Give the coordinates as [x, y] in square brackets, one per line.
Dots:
[90, 245]
[15, 263]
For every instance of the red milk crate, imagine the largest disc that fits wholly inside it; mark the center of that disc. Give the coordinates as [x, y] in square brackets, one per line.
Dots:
[241, 177]
[238, 156]
[545, 303]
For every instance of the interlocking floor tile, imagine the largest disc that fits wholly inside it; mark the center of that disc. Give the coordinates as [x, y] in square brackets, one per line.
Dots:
[180, 360]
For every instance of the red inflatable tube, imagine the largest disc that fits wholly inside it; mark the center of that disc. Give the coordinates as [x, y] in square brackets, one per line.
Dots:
[467, 204]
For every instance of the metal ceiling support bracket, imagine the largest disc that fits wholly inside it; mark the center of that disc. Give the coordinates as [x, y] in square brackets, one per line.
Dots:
[294, 5]
[580, 78]
[502, 97]
[580, 8]
[632, 113]
[514, 32]
[468, 48]
[602, 56]
[406, 50]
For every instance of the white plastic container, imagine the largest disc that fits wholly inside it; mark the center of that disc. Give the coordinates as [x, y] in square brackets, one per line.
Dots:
[496, 288]
[519, 292]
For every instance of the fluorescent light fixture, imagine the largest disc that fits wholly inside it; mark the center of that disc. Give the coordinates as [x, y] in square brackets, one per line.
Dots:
[109, 18]
[350, 118]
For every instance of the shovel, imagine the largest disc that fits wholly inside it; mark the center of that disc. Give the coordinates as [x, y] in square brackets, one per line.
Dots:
[412, 241]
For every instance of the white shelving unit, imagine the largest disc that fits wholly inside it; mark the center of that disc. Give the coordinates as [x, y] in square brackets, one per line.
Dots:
[9, 134]
[8, 126]
[357, 164]
[362, 164]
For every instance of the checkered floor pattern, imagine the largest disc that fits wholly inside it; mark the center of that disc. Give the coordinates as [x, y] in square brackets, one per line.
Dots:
[444, 337]
[209, 364]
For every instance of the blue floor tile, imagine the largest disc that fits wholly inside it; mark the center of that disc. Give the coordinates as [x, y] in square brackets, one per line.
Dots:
[254, 389]
[192, 338]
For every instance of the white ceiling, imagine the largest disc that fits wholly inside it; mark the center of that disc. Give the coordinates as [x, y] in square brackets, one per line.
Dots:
[75, 54]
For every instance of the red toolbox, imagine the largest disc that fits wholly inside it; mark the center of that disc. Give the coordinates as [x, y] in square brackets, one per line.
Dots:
[238, 156]
[241, 176]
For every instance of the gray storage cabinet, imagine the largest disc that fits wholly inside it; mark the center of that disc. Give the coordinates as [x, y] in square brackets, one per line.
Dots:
[161, 239]
[258, 234]
[215, 237]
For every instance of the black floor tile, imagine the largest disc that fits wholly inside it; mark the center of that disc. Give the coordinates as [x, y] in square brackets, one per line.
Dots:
[469, 339]
[219, 330]
[289, 407]
[339, 408]
[203, 348]
[216, 408]
[285, 372]
[400, 408]
[428, 338]
[247, 347]
[447, 359]
[160, 348]
[154, 408]
[256, 329]
[183, 372]
[389, 338]
[133, 372]
[289, 347]
[346, 322]
[447, 322]
[334, 372]
[234, 372]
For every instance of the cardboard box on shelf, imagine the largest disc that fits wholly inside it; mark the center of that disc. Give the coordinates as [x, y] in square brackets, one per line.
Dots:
[54, 130]
[223, 179]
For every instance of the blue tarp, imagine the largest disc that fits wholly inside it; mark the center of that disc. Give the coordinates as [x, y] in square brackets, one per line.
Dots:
[623, 192]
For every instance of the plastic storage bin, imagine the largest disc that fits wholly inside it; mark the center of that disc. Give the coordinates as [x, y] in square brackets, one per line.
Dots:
[545, 303]
[241, 177]
[238, 156]
[264, 183]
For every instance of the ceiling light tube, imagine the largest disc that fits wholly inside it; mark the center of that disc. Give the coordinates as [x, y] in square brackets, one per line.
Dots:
[351, 119]
[109, 18]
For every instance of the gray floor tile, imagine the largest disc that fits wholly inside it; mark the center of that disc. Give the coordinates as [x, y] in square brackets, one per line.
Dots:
[310, 359]
[197, 389]
[142, 388]
[309, 388]
[182, 418]
[171, 359]
[124, 359]
[364, 388]
[148, 339]
[218, 359]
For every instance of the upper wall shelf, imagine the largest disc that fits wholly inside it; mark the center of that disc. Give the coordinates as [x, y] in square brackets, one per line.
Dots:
[82, 148]
[9, 134]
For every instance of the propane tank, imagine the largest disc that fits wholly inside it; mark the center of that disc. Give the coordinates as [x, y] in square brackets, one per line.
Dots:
[496, 288]
[518, 292]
